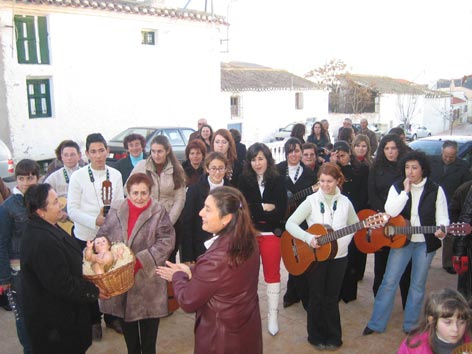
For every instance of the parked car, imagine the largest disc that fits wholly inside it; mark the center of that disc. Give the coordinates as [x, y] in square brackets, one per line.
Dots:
[6, 163]
[415, 132]
[178, 138]
[432, 145]
[284, 132]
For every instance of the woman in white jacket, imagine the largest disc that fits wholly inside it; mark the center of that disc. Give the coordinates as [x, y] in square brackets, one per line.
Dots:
[423, 202]
[324, 280]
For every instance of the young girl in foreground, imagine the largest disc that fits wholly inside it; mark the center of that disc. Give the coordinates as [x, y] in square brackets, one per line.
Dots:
[445, 326]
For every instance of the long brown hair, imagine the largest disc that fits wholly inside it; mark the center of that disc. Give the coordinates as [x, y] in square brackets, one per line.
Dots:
[240, 229]
[179, 174]
[363, 138]
[231, 154]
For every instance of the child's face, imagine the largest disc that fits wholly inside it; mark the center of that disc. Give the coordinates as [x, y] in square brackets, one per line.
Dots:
[101, 244]
[451, 329]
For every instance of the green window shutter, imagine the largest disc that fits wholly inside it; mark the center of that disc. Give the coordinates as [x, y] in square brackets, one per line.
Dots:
[30, 38]
[20, 41]
[39, 98]
[43, 40]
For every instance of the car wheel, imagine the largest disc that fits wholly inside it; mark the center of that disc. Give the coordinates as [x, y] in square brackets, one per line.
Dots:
[414, 137]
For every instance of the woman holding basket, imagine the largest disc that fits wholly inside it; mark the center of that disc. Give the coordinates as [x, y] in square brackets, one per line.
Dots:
[144, 226]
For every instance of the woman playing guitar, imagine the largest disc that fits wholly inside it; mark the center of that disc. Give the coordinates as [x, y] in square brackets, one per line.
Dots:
[324, 279]
[424, 203]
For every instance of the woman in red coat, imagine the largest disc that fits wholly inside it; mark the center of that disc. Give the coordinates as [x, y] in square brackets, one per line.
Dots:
[222, 285]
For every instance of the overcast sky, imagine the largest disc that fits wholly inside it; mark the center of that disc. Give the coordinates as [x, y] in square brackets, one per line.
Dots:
[416, 40]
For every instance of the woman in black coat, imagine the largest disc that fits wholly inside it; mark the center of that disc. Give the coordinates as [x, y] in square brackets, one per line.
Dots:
[299, 181]
[56, 306]
[355, 188]
[193, 236]
[266, 196]
[383, 174]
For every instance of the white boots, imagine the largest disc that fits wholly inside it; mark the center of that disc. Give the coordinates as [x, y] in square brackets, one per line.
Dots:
[273, 293]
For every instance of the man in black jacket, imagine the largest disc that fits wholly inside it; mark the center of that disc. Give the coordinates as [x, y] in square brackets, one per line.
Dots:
[449, 172]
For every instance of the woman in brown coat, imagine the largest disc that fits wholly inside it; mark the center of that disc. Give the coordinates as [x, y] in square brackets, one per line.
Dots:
[222, 286]
[145, 227]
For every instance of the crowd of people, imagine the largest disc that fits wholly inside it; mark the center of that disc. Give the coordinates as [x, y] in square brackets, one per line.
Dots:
[202, 228]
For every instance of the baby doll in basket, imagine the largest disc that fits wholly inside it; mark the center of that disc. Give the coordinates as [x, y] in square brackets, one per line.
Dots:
[100, 254]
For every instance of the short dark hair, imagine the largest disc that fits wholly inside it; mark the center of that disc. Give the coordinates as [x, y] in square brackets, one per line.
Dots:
[36, 197]
[450, 143]
[419, 156]
[63, 144]
[307, 146]
[70, 144]
[94, 138]
[132, 137]
[291, 145]
[27, 167]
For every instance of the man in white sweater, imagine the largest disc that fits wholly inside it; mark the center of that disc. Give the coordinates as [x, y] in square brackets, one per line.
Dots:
[85, 207]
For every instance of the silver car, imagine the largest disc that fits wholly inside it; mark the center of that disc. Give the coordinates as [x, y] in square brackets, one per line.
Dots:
[178, 138]
[7, 167]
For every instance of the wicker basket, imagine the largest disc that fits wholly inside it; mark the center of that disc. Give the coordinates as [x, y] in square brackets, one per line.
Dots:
[117, 281]
[465, 348]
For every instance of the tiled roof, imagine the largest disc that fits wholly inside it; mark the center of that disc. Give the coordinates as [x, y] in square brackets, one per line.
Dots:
[239, 76]
[384, 84]
[131, 8]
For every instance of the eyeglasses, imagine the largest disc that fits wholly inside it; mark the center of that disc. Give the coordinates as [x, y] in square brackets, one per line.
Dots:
[217, 169]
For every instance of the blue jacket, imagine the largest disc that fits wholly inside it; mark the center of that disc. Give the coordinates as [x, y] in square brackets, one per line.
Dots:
[13, 221]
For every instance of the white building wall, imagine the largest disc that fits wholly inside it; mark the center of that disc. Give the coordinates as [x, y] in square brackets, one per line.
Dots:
[104, 80]
[264, 112]
[437, 112]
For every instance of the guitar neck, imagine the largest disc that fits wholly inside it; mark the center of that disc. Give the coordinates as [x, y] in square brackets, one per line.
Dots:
[334, 235]
[300, 195]
[410, 230]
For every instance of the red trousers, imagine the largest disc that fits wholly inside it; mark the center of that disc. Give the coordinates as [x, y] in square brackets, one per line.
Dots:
[269, 247]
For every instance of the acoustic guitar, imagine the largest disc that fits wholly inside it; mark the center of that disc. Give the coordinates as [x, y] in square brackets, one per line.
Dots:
[294, 199]
[106, 196]
[397, 232]
[298, 255]
[66, 224]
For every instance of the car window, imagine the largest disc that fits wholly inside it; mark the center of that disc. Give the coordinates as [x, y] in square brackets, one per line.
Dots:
[174, 137]
[289, 127]
[146, 132]
[186, 133]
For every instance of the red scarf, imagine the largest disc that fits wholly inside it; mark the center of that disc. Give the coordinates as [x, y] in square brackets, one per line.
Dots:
[133, 215]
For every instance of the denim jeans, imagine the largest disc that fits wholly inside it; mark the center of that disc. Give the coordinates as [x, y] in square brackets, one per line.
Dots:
[396, 264]
[20, 321]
